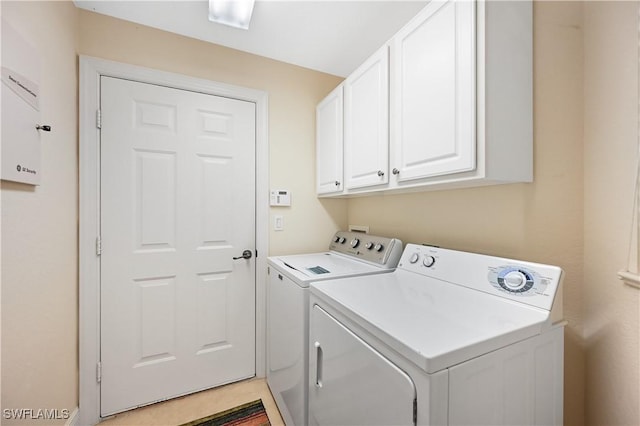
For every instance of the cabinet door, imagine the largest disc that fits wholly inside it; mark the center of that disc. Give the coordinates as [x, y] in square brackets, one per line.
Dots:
[350, 382]
[366, 123]
[433, 92]
[329, 139]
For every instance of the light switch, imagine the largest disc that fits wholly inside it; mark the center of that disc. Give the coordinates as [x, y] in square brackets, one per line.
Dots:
[278, 223]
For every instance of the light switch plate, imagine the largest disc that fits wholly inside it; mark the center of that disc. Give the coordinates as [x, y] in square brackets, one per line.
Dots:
[278, 223]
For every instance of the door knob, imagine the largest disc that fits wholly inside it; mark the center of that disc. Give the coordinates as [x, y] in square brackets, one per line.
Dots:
[245, 255]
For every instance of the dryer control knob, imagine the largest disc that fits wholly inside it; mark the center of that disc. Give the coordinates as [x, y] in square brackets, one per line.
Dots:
[414, 258]
[378, 247]
[369, 245]
[429, 261]
[355, 242]
[515, 280]
[342, 240]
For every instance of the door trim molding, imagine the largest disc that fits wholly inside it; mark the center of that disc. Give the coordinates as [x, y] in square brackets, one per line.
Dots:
[91, 69]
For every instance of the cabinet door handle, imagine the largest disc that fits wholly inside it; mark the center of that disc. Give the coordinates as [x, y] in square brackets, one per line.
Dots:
[396, 171]
[380, 173]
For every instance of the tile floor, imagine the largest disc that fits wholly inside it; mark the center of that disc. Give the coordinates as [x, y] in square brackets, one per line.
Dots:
[201, 404]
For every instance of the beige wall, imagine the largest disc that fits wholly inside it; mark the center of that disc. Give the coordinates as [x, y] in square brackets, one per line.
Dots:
[293, 94]
[39, 230]
[612, 310]
[541, 221]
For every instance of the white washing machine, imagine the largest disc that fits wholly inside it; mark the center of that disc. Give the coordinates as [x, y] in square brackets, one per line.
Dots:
[448, 338]
[350, 254]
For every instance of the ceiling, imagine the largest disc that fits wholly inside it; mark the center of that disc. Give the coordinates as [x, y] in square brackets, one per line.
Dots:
[324, 35]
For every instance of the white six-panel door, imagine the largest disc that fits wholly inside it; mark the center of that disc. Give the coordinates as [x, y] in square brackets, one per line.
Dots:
[177, 204]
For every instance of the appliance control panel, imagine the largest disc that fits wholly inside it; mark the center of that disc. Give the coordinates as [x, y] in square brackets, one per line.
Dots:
[382, 251]
[531, 283]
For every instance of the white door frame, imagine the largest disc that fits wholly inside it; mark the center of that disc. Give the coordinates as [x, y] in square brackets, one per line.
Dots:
[91, 69]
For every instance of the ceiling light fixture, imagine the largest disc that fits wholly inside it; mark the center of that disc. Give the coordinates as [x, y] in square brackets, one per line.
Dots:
[235, 13]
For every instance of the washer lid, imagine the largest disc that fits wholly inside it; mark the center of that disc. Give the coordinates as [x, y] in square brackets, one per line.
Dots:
[323, 266]
[433, 323]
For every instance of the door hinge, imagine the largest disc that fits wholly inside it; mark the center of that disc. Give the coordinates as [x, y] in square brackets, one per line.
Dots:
[99, 119]
[98, 245]
[99, 372]
[415, 411]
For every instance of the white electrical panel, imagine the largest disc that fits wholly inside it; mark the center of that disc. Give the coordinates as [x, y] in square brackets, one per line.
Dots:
[21, 127]
[280, 197]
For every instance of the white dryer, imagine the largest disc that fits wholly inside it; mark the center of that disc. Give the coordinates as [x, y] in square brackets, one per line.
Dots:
[448, 338]
[350, 254]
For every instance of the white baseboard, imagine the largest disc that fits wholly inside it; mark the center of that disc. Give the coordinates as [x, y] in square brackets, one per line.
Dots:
[73, 418]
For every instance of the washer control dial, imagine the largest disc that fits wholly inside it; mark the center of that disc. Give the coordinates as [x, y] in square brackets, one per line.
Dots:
[378, 247]
[342, 240]
[414, 258]
[429, 261]
[369, 245]
[355, 242]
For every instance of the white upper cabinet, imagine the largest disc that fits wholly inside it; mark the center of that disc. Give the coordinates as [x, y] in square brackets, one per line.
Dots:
[366, 123]
[329, 143]
[433, 87]
[460, 109]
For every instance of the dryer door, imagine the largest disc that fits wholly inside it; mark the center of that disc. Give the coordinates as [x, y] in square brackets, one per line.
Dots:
[350, 383]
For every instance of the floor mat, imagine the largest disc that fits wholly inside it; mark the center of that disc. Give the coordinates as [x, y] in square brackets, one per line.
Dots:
[249, 414]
